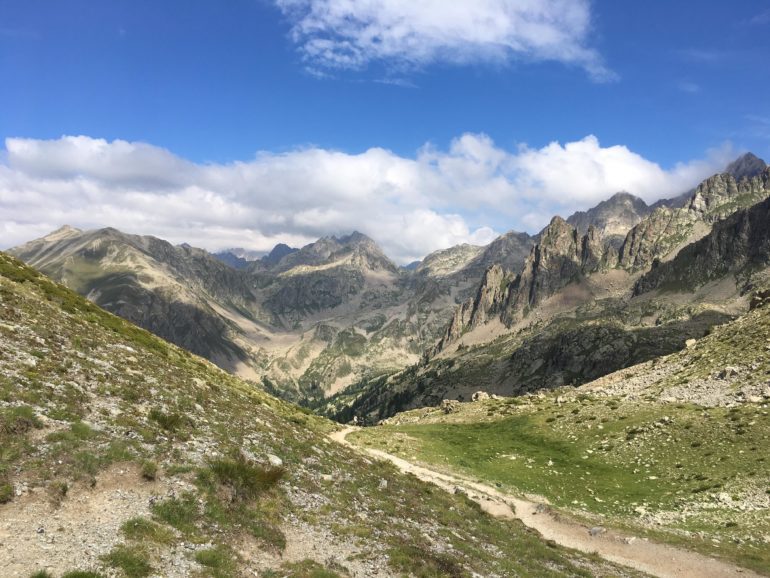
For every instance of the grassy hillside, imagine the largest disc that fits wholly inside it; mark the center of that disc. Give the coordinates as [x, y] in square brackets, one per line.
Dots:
[675, 448]
[122, 455]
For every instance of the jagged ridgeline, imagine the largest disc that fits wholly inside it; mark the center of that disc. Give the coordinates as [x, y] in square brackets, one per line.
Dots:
[338, 319]
[122, 454]
[584, 304]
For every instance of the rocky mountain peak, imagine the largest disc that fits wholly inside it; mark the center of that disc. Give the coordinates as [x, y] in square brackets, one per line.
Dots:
[62, 232]
[357, 249]
[447, 261]
[612, 217]
[746, 166]
[558, 237]
[720, 195]
[666, 230]
[486, 304]
[277, 253]
[738, 243]
[354, 238]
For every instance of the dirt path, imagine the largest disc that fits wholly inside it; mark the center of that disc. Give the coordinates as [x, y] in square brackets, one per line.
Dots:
[655, 559]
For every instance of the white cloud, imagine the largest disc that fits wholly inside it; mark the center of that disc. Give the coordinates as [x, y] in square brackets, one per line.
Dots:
[351, 34]
[411, 206]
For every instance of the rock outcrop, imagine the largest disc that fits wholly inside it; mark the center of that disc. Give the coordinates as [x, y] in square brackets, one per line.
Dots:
[488, 303]
[612, 218]
[563, 256]
[665, 231]
[735, 245]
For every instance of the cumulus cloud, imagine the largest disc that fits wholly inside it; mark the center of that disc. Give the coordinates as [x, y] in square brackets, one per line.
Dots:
[468, 192]
[350, 35]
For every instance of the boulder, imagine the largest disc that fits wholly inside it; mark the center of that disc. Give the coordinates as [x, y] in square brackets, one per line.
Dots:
[274, 460]
[450, 406]
[728, 372]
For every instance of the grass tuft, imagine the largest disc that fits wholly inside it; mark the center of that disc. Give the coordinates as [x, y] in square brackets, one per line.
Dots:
[220, 560]
[131, 560]
[149, 470]
[246, 479]
[142, 529]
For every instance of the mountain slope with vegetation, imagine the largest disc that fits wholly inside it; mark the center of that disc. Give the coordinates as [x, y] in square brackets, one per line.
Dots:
[123, 455]
[673, 449]
[304, 322]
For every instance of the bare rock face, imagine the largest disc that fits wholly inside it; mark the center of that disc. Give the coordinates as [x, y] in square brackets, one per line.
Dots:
[654, 237]
[739, 242]
[665, 230]
[747, 166]
[448, 261]
[450, 406]
[509, 251]
[613, 217]
[720, 195]
[561, 257]
[485, 305]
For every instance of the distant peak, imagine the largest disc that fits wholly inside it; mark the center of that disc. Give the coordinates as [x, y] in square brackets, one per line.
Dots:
[280, 251]
[746, 166]
[65, 230]
[354, 237]
[626, 196]
[280, 247]
[557, 222]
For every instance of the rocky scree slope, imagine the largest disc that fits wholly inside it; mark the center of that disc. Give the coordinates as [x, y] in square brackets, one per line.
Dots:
[123, 455]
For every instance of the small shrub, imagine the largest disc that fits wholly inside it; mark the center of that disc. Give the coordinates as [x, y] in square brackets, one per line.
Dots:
[57, 491]
[132, 561]
[87, 463]
[41, 574]
[246, 479]
[16, 421]
[269, 534]
[422, 562]
[82, 574]
[149, 470]
[6, 492]
[81, 431]
[168, 421]
[304, 569]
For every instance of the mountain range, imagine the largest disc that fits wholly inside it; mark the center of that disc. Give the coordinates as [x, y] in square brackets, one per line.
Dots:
[337, 325]
[615, 386]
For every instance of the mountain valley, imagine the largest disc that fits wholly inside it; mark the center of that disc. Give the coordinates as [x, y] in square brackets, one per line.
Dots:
[617, 382]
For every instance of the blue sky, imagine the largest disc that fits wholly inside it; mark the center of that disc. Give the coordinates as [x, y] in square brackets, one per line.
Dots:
[659, 91]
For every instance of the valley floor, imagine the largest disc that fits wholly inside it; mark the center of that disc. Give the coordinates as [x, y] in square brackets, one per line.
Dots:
[656, 559]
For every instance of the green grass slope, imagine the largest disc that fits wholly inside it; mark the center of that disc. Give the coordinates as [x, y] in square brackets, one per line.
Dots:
[122, 455]
[675, 448]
